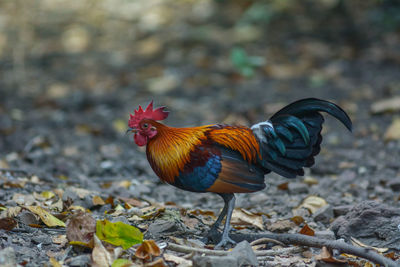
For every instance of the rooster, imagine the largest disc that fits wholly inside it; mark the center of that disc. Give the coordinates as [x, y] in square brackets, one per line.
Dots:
[227, 159]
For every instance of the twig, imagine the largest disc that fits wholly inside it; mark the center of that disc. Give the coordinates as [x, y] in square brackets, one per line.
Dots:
[270, 252]
[280, 251]
[266, 240]
[310, 241]
[186, 249]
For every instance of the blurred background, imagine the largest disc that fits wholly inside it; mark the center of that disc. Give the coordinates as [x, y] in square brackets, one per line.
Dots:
[72, 71]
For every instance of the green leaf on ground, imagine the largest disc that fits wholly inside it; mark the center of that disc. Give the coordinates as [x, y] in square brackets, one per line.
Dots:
[118, 233]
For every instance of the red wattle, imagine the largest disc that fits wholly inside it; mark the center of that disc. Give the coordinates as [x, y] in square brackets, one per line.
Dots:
[140, 140]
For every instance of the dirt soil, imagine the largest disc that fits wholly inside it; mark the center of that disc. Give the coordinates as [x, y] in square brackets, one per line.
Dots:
[66, 100]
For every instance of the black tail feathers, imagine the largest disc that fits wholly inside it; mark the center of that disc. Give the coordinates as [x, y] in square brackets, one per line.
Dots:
[293, 137]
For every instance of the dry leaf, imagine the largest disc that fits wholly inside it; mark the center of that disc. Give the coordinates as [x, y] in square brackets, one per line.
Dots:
[281, 226]
[60, 239]
[243, 217]
[153, 213]
[13, 211]
[283, 186]
[306, 230]
[58, 205]
[147, 250]
[326, 256]
[312, 203]
[21, 199]
[357, 242]
[310, 180]
[81, 228]
[7, 224]
[132, 202]
[54, 262]
[82, 193]
[100, 256]
[181, 262]
[124, 183]
[202, 212]
[76, 208]
[297, 220]
[393, 132]
[191, 223]
[97, 200]
[46, 217]
[392, 255]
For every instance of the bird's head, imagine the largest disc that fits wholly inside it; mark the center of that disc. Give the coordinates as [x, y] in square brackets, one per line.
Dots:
[143, 123]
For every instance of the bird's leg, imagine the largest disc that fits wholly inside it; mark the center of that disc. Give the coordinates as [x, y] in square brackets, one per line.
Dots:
[229, 200]
[213, 233]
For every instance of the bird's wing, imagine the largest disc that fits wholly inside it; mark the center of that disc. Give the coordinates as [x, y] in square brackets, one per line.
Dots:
[225, 163]
[237, 175]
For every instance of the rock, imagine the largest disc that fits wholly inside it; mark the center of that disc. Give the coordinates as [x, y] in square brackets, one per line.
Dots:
[81, 260]
[341, 210]
[324, 214]
[7, 257]
[27, 218]
[372, 223]
[298, 188]
[395, 185]
[244, 254]
[241, 255]
[42, 239]
[325, 234]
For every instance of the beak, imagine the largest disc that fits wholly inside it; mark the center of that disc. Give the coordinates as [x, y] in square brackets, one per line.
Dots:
[131, 130]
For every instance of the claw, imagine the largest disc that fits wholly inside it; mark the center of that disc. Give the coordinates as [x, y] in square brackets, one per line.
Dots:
[224, 242]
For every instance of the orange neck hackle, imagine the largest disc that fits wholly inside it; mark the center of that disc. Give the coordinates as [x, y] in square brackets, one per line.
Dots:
[169, 150]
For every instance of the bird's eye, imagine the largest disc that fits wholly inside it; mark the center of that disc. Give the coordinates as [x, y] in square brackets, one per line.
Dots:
[145, 125]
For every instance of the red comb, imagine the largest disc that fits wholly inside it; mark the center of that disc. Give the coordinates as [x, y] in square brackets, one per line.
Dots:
[158, 114]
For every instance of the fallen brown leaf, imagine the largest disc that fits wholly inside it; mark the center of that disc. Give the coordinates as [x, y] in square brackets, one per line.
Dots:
[306, 230]
[97, 200]
[147, 250]
[326, 256]
[243, 217]
[81, 227]
[281, 226]
[7, 224]
[60, 239]
[297, 220]
[100, 256]
[283, 186]
[54, 262]
[312, 203]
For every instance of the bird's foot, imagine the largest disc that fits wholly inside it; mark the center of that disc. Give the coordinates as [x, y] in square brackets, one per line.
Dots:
[212, 236]
[225, 240]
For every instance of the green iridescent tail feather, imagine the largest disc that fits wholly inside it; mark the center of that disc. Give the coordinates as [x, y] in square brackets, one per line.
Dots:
[293, 136]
